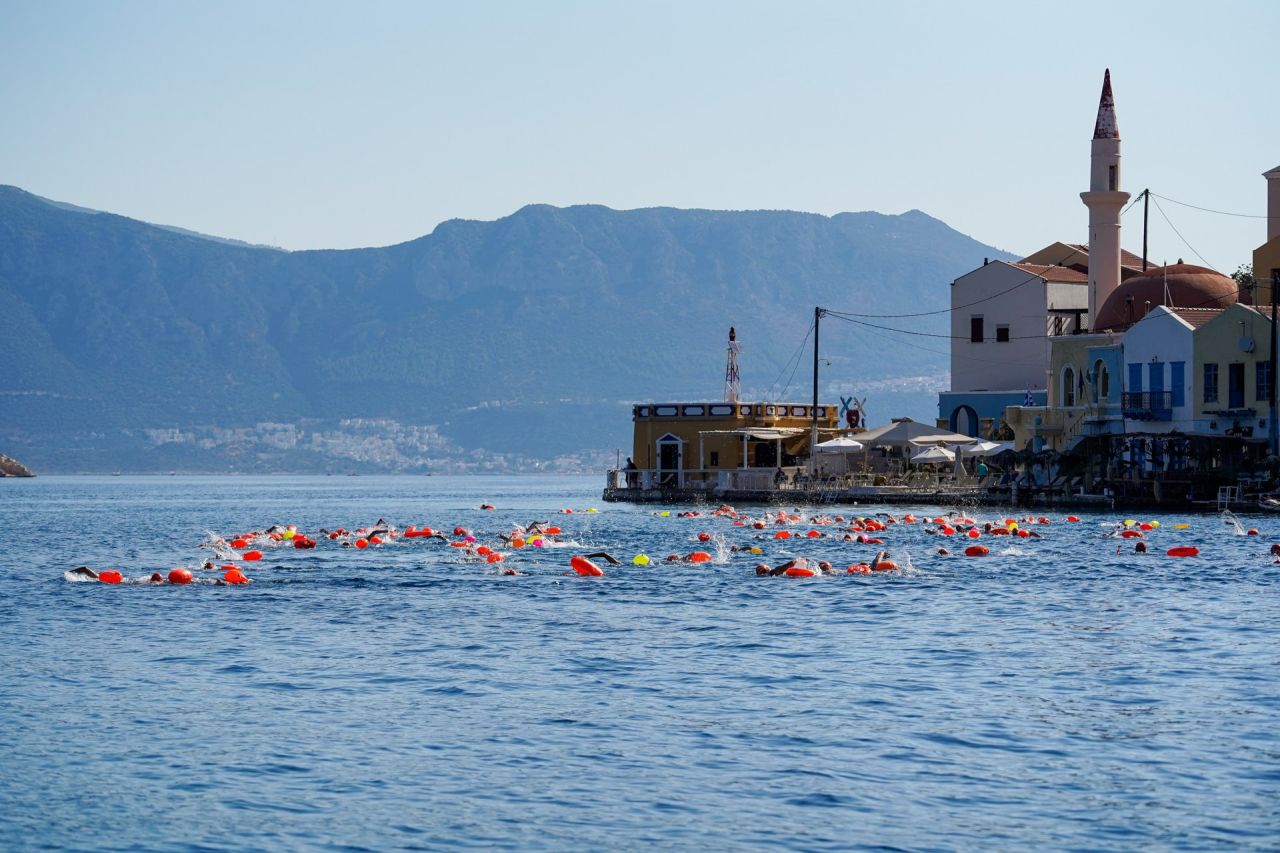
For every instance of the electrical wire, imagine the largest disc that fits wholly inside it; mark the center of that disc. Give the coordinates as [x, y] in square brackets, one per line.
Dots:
[1211, 210]
[1184, 239]
[794, 358]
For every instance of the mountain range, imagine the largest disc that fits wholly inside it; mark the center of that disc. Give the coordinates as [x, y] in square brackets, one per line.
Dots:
[130, 345]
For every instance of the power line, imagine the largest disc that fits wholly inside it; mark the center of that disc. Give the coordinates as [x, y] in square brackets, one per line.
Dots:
[1183, 239]
[1211, 210]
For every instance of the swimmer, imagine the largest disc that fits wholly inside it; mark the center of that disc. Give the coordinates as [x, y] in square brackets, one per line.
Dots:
[943, 552]
[608, 558]
[878, 559]
[762, 570]
[510, 572]
[1140, 548]
[1275, 550]
[84, 572]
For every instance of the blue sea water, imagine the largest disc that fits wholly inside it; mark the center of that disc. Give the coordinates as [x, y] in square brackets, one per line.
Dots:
[1054, 695]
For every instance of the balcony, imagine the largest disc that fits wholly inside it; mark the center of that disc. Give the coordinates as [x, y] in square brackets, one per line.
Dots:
[1147, 405]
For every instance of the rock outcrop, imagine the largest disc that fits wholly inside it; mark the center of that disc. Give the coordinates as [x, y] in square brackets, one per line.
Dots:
[10, 467]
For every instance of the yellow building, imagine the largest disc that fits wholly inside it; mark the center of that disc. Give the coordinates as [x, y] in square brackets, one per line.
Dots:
[1266, 258]
[696, 445]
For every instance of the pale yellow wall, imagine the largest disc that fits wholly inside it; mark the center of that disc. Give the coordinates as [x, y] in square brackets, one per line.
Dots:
[1218, 341]
[1265, 259]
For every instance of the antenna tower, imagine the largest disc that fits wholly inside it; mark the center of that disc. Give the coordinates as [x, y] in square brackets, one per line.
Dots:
[732, 387]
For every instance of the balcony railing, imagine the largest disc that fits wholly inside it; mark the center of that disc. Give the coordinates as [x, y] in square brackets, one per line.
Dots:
[1147, 405]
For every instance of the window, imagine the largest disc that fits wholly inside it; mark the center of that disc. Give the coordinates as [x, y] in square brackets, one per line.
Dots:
[1262, 383]
[715, 459]
[1113, 182]
[1057, 326]
[1177, 382]
[1068, 387]
[975, 329]
[1135, 379]
[1102, 380]
[1002, 334]
[1235, 385]
[1211, 383]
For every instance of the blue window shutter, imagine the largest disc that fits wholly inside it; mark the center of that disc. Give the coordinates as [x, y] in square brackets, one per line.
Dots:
[1135, 378]
[1178, 379]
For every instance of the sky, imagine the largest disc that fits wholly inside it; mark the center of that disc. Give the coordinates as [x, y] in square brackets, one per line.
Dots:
[334, 125]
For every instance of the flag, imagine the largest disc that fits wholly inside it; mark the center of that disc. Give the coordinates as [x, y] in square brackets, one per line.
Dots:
[1027, 399]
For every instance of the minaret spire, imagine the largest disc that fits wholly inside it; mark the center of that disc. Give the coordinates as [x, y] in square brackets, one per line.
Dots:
[1104, 200]
[1106, 127]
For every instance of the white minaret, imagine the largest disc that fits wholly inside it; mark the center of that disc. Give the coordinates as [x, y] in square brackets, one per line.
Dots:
[1104, 200]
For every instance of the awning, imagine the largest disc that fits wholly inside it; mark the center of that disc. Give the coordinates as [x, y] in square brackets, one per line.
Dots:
[762, 433]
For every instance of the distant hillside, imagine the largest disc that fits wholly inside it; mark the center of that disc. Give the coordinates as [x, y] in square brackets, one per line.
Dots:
[525, 335]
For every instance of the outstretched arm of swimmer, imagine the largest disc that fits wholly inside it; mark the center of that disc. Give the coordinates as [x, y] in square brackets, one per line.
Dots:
[84, 571]
[608, 558]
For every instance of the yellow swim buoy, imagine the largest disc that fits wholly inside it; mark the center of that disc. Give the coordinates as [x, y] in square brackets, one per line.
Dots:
[640, 560]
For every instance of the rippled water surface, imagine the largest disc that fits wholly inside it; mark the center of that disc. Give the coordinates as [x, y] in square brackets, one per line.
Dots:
[1052, 695]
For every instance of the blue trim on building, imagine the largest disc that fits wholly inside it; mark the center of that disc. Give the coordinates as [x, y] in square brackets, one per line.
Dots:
[954, 406]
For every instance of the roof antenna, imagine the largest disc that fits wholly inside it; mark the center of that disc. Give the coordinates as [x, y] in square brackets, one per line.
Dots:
[732, 385]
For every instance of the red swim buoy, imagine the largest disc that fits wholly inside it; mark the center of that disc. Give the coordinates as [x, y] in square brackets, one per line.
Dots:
[977, 551]
[494, 557]
[1252, 531]
[239, 543]
[180, 576]
[699, 557]
[1073, 518]
[250, 556]
[110, 576]
[303, 542]
[1023, 534]
[374, 540]
[235, 576]
[859, 569]
[948, 531]
[1131, 534]
[813, 534]
[1183, 551]
[704, 537]
[885, 566]
[797, 572]
[362, 543]
[973, 533]
[553, 531]
[782, 534]
[586, 568]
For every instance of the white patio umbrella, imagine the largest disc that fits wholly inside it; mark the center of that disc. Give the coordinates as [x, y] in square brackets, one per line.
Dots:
[934, 454]
[984, 448]
[843, 444]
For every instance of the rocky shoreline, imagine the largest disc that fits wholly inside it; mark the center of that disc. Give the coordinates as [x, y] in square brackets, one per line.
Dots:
[10, 467]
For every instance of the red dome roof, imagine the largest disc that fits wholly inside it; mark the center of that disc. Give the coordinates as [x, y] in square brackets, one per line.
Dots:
[1188, 286]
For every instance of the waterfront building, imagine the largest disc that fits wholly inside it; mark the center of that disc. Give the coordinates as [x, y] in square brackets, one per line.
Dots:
[1266, 258]
[1004, 315]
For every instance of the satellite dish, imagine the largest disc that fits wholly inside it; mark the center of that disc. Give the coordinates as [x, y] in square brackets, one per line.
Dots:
[1246, 344]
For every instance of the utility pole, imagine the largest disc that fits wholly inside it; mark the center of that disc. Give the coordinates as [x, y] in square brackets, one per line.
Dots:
[1146, 210]
[813, 432]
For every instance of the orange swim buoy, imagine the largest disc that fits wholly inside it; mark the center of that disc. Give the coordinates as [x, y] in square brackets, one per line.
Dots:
[494, 557]
[110, 576]
[859, 569]
[699, 557]
[948, 531]
[180, 576]
[250, 556]
[235, 576]
[1252, 531]
[782, 534]
[1131, 534]
[1183, 551]
[553, 531]
[885, 566]
[797, 572]
[1073, 518]
[362, 543]
[586, 568]
[239, 543]
[517, 543]
[484, 550]
[813, 534]
[973, 533]
[977, 551]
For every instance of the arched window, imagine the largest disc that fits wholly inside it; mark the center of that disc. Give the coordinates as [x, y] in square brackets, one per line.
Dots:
[1068, 386]
[1103, 380]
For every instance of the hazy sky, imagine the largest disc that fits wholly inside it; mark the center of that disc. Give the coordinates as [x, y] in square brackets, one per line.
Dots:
[315, 124]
